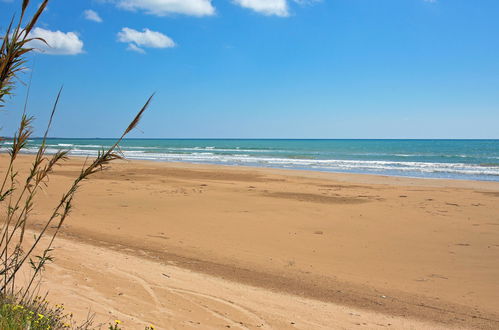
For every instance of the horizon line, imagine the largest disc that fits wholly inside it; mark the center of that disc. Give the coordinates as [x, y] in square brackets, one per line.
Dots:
[252, 138]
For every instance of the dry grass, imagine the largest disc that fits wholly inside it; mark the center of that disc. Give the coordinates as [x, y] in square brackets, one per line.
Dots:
[17, 195]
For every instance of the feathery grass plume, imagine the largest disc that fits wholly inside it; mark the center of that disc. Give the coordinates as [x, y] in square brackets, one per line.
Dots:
[14, 48]
[33, 181]
[18, 143]
[136, 120]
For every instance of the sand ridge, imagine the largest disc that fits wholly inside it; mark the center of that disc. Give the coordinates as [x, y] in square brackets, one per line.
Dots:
[142, 291]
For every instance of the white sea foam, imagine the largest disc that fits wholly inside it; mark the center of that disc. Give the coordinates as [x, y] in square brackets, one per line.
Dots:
[323, 164]
[69, 145]
[147, 148]
[224, 149]
[205, 155]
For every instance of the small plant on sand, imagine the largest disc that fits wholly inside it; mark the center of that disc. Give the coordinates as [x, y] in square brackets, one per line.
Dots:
[19, 307]
[35, 314]
[117, 326]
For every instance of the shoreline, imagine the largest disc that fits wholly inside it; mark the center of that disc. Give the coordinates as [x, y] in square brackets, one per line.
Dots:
[442, 159]
[346, 177]
[399, 246]
[276, 168]
[304, 170]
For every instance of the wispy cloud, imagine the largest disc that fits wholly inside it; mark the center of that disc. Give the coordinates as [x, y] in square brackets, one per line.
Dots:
[168, 7]
[92, 15]
[145, 38]
[134, 48]
[58, 43]
[307, 2]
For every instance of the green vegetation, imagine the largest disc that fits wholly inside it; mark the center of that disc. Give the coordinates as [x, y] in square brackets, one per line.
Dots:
[37, 314]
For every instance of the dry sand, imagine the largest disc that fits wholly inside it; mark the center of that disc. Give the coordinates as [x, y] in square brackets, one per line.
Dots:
[180, 245]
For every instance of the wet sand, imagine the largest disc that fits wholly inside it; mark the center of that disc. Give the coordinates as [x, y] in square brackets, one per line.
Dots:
[412, 253]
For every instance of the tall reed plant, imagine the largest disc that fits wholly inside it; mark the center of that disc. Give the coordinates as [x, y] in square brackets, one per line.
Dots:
[18, 194]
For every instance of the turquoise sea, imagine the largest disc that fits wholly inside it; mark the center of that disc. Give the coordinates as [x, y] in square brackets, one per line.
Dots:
[454, 159]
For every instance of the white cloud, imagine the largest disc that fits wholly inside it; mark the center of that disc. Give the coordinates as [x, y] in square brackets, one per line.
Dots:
[134, 48]
[168, 7]
[307, 2]
[58, 43]
[145, 38]
[92, 16]
[266, 7]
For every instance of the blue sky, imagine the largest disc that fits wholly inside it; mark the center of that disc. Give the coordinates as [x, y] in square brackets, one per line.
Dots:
[266, 68]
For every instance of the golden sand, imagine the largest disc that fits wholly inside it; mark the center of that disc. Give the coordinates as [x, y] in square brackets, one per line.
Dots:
[181, 245]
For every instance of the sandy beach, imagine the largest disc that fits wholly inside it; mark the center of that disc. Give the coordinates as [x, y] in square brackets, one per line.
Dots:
[180, 245]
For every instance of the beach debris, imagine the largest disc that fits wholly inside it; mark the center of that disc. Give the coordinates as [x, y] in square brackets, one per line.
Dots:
[382, 296]
[165, 275]
[318, 232]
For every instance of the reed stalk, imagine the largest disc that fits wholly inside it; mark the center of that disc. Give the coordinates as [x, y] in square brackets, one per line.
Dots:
[18, 196]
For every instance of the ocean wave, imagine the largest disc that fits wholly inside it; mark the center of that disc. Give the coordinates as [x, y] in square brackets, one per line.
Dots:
[237, 150]
[69, 145]
[324, 164]
[488, 171]
[489, 165]
[133, 147]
